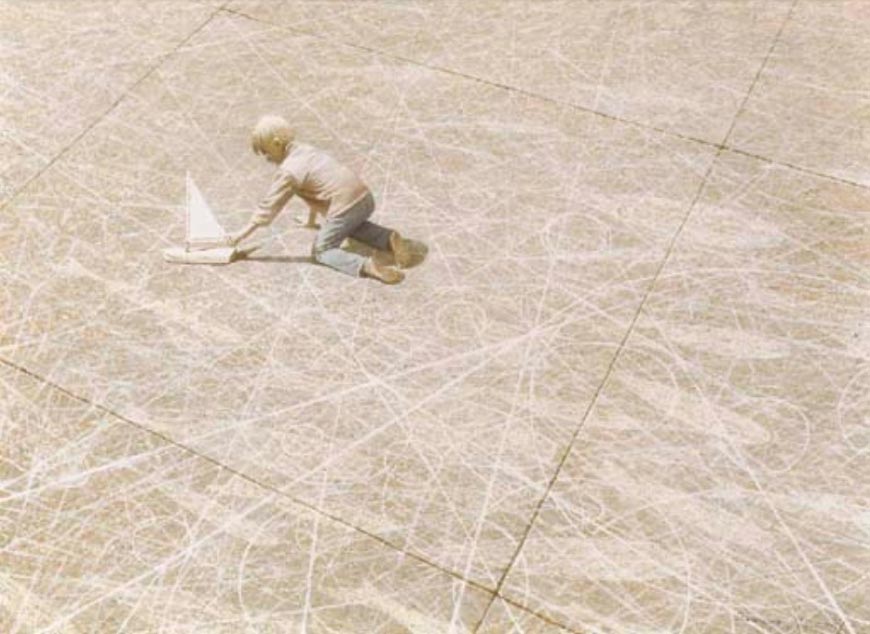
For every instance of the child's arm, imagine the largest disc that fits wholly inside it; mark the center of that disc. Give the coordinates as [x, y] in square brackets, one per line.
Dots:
[271, 204]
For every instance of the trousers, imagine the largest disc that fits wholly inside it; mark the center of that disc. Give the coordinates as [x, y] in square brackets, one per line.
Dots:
[352, 223]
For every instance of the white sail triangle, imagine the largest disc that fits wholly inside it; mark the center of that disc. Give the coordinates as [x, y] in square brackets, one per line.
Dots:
[202, 226]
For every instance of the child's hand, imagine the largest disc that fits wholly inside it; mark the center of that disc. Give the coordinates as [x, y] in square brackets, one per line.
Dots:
[312, 219]
[233, 239]
[307, 222]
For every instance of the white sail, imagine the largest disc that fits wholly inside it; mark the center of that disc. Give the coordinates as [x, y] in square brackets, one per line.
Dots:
[202, 226]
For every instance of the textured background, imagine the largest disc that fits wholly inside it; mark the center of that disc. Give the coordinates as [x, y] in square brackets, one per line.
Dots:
[627, 391]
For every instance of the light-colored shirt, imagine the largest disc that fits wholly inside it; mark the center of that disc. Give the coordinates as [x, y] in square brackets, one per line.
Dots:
[328, 187]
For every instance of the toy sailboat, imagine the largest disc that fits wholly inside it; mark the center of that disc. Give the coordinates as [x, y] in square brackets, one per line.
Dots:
[204, 243]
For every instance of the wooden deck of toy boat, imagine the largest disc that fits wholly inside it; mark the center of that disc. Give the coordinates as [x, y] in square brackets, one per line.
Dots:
[180, 255]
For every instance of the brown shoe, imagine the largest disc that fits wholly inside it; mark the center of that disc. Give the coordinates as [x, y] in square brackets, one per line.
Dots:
[386, 274]
[401, 249]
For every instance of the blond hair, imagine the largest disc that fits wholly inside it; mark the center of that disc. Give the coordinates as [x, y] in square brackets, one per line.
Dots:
[268, 128]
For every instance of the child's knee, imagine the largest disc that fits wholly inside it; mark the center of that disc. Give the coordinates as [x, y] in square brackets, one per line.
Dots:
[323, 243]
[317, 252]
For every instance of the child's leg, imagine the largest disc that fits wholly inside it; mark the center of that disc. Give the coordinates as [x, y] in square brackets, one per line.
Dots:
[327, 246]
[384, 239]
[373, 235]
[333, 230]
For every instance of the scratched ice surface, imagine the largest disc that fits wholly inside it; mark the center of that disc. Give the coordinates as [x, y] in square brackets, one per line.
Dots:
[106, 527]
[63, 65]
[680, 66]
[627, 390]
[721, 482]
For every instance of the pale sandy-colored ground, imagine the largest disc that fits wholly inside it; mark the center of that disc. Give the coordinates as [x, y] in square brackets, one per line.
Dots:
[625, 393]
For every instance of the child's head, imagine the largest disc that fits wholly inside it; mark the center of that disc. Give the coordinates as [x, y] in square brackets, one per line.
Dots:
[271, 137]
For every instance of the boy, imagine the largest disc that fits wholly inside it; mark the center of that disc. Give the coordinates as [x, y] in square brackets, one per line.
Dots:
[331, 190]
